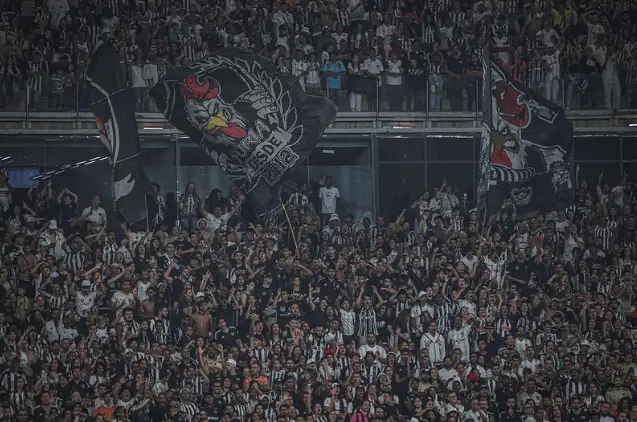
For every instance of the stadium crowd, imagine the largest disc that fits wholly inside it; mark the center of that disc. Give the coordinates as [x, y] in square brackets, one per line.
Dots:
[314, 315]
[366, 55]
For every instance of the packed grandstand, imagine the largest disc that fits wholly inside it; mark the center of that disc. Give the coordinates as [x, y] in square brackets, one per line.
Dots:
[206, 314]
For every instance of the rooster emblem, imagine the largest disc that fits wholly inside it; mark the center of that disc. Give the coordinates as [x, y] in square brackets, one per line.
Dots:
[510, 104]
[218, 120]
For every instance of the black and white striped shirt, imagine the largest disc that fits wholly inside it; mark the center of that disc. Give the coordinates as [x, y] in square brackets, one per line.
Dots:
[316, 347]
[445, 314]
[55, 302]
[161, 330]
[197, 383]
[433, 69]
[111, 4]
[428, 34]
[9, 379]
[371, 372]
[36, 81]
[109, 251]
[189, 409]
[511, 7]
[504, 327]
[574, 388]
[75, 261]
[262, 355]
[603, 235]
[367, 322]
[457, 18]
[631, 71]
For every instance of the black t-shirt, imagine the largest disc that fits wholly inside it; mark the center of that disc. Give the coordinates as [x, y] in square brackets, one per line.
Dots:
[455, 64]
[579, 417]
[520, 270]
[227, 338]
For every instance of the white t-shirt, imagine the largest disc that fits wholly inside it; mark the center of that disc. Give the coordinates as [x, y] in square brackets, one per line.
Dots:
[328, 199]
[215, 223]
[394, 67]
[97, 217]
[83, 304]
[374, 67]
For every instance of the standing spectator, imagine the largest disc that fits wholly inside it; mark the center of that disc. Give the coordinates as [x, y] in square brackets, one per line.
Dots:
[334, 71]
[454, 70]
[58, 85]
[299, 66]
[313, 77]
[356, 85]
[38, 70]
[630, 69]
[394, 82]
[373, 68]
[416, 84]
[610, 79]
[552, 72]
[435, 81]
[328, 195]
[95, 214]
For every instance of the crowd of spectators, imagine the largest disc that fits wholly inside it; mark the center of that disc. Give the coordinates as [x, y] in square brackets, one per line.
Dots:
[314, 315]
[365, 54]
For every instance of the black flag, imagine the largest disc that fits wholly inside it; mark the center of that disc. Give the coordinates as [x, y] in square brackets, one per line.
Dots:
[525, 152]
[113, 106]
[256, 124]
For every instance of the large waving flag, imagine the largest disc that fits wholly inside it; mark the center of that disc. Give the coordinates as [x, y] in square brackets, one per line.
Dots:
[114, 111]
[526, 143]
[256, 124]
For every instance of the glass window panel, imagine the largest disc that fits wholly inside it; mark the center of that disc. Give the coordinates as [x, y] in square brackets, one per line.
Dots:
[341, 156]
[399, 184]
[459, 175]
[450, 148]
[194, 156]
[630, 147]
[597, 148]
[354, 183]
[590, 172]
[401, 149]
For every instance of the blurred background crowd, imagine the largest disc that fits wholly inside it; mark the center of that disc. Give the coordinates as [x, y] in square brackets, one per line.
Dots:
[367, 55]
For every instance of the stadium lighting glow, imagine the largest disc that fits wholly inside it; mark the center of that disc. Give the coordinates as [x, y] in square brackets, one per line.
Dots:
[65, 167]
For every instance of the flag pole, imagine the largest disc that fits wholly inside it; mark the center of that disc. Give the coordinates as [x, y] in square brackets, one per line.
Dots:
[485, 144]
[287, 217]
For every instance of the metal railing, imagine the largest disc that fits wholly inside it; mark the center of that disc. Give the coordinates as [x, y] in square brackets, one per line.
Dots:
[367, 98]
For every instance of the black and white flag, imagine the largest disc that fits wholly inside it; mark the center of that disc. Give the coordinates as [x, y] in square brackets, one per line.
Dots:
[526, 143]
[256, 124]
[114, 109]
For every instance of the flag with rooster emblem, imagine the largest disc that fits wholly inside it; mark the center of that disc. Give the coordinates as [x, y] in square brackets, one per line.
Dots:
[254, 123]
[113, 106]
[526, 143]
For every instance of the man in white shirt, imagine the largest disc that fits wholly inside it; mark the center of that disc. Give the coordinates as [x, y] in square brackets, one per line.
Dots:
[447, 371]
[328, 195]
[458, 338]
[373, 67]
[53, 239]
[394, 81]
[386, 30]
[95, 214]
[434, 343]
[84, 299]
[215, 219]
[552, 74]
[530, 361]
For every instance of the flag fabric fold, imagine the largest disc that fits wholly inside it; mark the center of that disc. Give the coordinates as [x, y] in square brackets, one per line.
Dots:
[525, 150]
[256, 124]
[114, 109]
